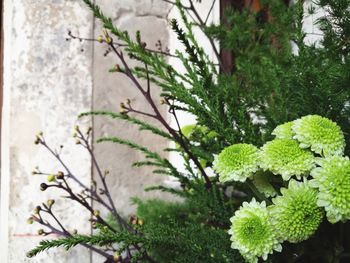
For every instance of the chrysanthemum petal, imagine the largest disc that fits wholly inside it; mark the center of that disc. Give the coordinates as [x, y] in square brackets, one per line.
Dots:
[285, 157]
[322, 135]
[295, 214]
[284, 131]
[252, 233]
[237, 162]
[332, 180]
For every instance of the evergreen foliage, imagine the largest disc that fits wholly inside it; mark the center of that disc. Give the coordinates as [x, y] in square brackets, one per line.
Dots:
[271, 83]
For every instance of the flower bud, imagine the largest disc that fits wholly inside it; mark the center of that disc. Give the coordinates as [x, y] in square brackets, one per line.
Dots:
[43, 186]
[100, 39]
[37, 210]
[60, 175]
[96, 213]
[109, 40]
[122, 111]
[30, 220]
[51, 178]
[41, 232]
[50, 202]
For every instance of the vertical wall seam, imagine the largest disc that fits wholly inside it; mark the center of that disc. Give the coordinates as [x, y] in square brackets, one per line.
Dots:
[92, 108]
[5, 138]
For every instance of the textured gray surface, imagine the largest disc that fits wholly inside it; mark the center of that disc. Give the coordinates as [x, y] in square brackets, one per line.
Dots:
[52, 81]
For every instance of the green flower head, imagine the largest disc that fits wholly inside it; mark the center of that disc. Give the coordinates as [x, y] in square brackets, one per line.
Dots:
[284, 131]
[285, 157]
[252, 233]
[322, 135]
[333, 182]
[295, 214]
[236, 162]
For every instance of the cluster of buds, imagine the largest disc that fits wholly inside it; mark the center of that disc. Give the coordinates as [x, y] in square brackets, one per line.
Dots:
[123, 109]
[134, 220]
[105, 37]
[75, 134]
[78, 134]
[125, 106]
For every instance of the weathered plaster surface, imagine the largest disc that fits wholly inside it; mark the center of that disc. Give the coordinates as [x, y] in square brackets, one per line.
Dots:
[51, 83]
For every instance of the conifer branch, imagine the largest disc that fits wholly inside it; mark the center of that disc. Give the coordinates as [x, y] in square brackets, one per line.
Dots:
[143, 125]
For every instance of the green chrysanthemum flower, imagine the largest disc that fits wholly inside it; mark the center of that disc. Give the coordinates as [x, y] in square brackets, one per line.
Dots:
[261, 182]
[295, 214]
[284, 131]
[252, 233]
[237, 162]
[285, 157]
[321, 134]
[333, 182]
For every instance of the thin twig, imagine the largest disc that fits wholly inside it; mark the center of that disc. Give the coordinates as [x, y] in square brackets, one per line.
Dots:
[72, 176]
[159, 116]
[160, 52]
[120, 220]
[65, 233]
[202, 27]
[210, 11]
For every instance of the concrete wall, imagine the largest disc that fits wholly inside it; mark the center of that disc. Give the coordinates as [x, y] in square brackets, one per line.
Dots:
[48, 82]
